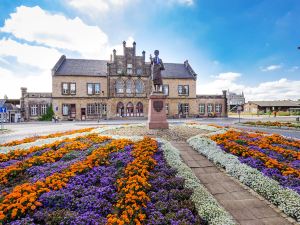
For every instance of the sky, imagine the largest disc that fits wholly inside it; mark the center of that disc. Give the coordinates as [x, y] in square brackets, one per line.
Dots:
[245, 46]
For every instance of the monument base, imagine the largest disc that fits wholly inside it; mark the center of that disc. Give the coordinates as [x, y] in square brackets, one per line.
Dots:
[157, 118]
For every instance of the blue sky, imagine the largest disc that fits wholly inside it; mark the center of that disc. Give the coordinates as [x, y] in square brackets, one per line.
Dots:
[241, 45]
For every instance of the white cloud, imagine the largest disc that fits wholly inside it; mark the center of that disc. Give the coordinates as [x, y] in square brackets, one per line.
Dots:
[271, 68]
[36, 25]
[183, 2]
[270, 90]
[11, 84]
[227, 76]
[36, 56]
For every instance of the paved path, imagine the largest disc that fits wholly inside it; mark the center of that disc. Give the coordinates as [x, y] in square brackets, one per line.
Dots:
[245, 208]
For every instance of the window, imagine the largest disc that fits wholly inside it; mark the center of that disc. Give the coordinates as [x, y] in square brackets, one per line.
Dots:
[167, 108]
[44, 109]
[218, 108]
[90, 89]
[97, 88]
[165, 89]
[72, 88]
[65, 109]
[183, 89]
[104, 108]
[139, 86]
[91, 109]
[210, 108]
[139, 71]
[129, 68]
[65, 88]
[33, 110]
[129, 109]
[119, 71]
[129, 86]
[119, 86]
[186, 108]
[139, 109]
[202, 108]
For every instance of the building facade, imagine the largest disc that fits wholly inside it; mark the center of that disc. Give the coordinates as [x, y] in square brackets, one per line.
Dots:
[119, 88]
[234, 100]
[33, 104]
[257, 107]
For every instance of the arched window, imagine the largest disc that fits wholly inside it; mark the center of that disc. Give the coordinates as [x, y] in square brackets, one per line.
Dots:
[139, 86]
[120, 109]
[129, 86]
[119, 86]
[129, 109]
[139, 109]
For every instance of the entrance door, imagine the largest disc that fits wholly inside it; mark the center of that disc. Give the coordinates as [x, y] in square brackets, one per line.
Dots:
[73, 111]
[83, 114]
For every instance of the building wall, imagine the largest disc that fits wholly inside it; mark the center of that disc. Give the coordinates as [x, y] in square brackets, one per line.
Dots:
[81, 86]
[173, 87]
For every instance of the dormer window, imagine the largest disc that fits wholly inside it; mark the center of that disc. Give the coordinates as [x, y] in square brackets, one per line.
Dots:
[139, 71]
[129, 68]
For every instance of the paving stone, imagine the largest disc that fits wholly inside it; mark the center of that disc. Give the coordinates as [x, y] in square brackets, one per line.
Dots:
[242, 195]
[206, 178]
[263, 212]
[275, 221]
[231, 186]
[223, 196]
[221, 178]
[212, 169]
[199, 171]
[192, 163]
[251, 222]
[215, 189]
[233, 204]
[242, 214]
[255, 203]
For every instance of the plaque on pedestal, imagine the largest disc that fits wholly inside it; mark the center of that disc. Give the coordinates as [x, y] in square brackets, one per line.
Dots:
[157, 118]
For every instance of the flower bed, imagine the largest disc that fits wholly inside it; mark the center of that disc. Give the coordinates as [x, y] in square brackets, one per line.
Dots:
[273, 124]
[93, 180]
[269, 164]
[34, 138]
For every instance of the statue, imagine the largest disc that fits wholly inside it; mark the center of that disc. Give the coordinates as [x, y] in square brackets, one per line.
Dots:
[156, 67]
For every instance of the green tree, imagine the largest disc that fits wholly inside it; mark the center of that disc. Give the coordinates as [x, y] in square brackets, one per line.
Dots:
[49, 114]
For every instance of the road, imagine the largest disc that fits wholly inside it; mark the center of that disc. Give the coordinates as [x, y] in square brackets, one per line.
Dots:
[22, 130]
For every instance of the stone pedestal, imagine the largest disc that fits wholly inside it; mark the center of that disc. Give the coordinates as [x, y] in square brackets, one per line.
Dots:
[157, 118]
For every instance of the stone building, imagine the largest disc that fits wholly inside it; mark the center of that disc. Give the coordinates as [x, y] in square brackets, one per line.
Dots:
[257, 107]
[234, 100]
[33, 105]
[119, 88]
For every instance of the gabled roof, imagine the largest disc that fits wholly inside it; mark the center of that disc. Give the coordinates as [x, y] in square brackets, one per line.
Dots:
[80, 67]
[88, 67]
[283, 103]
[178, 70]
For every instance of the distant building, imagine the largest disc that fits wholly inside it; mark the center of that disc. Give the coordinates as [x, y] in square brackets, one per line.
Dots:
[234, 100]
[34, 104]
[270, 106]
[13, 113]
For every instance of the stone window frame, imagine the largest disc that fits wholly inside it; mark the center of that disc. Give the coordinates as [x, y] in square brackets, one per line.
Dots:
[219, 107]
[163, 89]
[139, 109]
[132, 86]
[93, 86]
[129, 69]
[212, 107]
[123, 86]
[136, 86]
[44, 108]
[186, 108]
[68, 108]
[202, 112]
[183, 87]
[34, 110]
[68, 89]
[139, 71]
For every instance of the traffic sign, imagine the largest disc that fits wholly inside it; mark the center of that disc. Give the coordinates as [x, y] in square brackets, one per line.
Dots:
[2, 101]
[3, 110]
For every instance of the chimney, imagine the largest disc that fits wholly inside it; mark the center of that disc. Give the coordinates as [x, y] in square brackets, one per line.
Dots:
[186, 63]
[23, 91]
[124, 47]
[134, 45]
[114, 54]
[144, 55]
[224, 93]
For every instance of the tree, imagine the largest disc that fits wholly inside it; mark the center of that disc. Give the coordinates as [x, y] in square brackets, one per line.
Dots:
[49, 114]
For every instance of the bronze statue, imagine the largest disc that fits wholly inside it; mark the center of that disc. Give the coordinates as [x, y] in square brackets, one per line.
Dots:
[156, 67]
